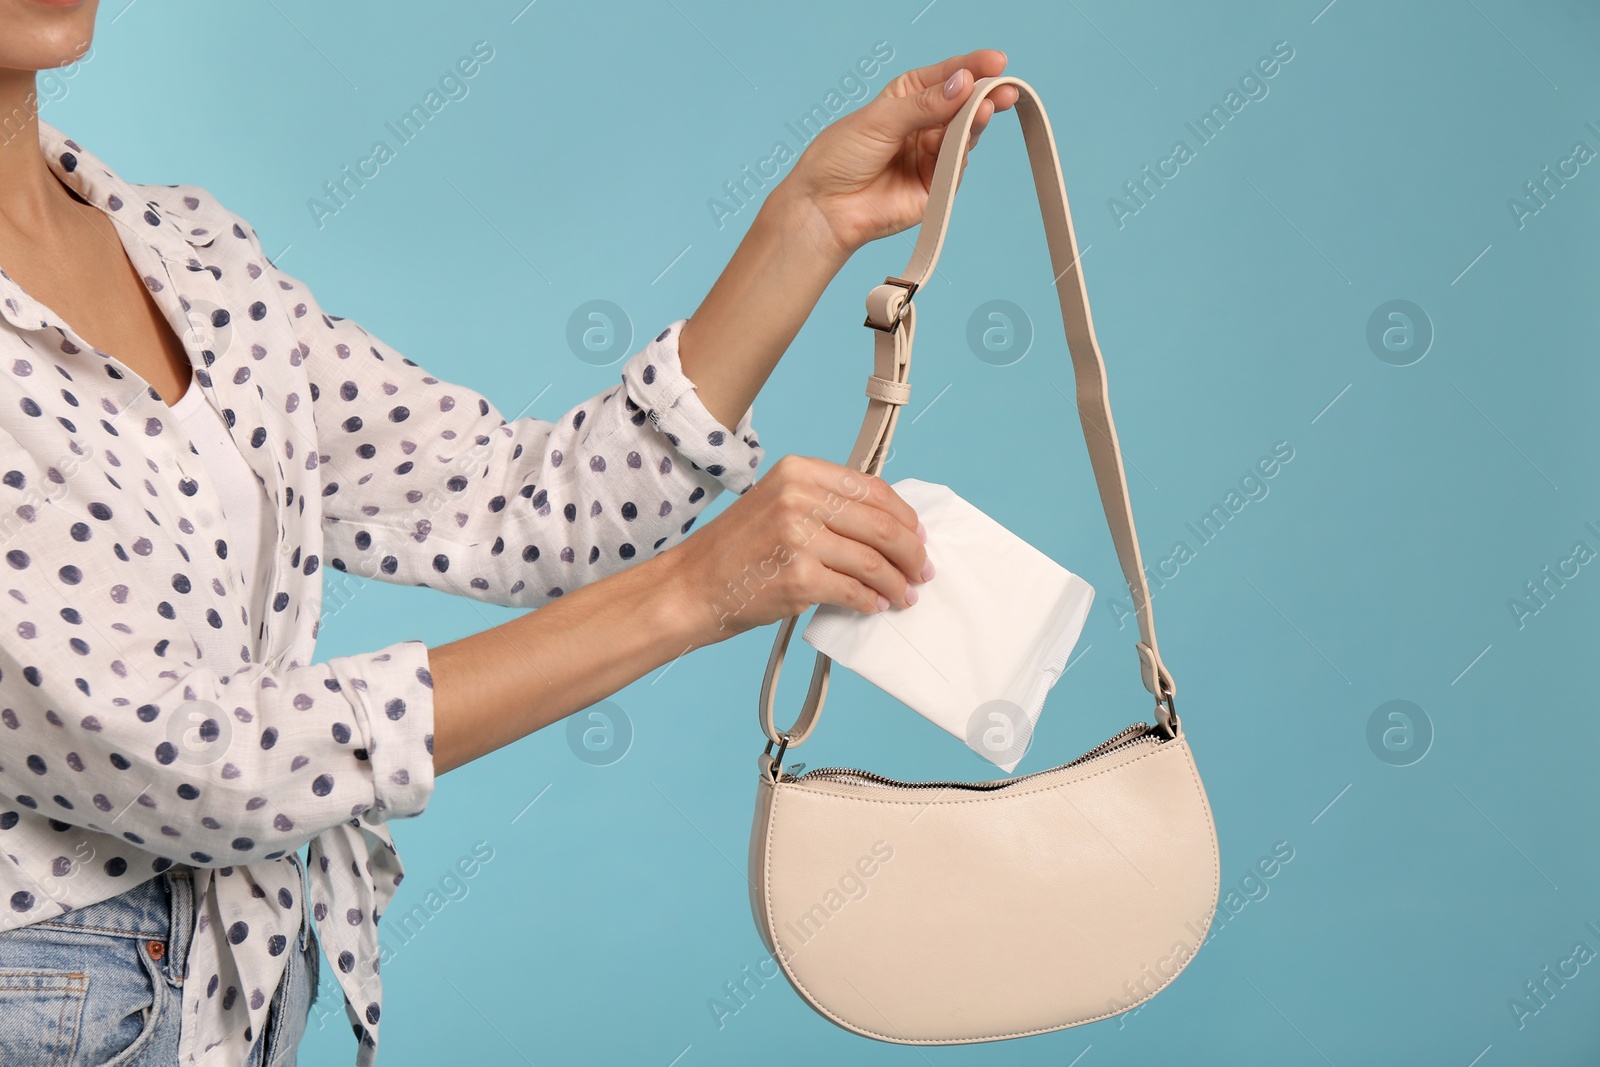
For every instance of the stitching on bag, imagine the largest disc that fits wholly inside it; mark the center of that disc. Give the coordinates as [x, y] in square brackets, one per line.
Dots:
[783, 961]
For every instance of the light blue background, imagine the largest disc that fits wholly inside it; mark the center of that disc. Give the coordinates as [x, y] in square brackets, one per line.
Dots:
[1232, 309]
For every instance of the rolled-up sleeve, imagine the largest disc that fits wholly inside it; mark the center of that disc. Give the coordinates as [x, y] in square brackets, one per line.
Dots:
[107, 723]
[657, 385]
[425, 482]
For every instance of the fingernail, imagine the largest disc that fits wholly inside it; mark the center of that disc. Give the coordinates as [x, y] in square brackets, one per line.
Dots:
[911, 595]
[927, 570]
[952, 85]
[883, 602]
[922, 532]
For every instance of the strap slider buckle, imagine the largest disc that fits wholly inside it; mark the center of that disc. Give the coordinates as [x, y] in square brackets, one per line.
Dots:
[878, 302]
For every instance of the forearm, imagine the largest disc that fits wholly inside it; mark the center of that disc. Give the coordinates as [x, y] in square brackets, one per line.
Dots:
[751, 315]
[497, 686]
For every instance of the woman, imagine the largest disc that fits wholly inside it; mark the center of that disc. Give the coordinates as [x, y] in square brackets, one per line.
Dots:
[188, 437]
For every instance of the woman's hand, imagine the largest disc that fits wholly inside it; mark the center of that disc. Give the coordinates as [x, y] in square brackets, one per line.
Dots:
[868, 173]
[865, 176]
[808, 532]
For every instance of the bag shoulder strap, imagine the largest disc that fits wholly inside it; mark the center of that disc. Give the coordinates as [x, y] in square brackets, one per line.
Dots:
[890, 313]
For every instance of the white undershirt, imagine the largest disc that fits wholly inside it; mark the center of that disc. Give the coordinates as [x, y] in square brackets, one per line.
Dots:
[246, 523]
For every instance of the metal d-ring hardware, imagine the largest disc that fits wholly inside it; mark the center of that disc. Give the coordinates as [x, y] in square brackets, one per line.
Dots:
[1169, 720]
[911, 288]
[777, 760]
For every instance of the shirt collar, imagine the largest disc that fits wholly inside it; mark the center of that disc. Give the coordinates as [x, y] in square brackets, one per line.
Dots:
[164, 226]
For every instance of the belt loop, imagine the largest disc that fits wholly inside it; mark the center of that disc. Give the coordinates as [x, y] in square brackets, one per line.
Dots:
[180, 889]
[305, 901]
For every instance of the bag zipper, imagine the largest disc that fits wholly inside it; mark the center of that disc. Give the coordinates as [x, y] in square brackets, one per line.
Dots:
[1138, 733]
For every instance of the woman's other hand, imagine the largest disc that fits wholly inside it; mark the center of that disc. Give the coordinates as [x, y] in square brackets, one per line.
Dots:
[809, 532]
[869, 172]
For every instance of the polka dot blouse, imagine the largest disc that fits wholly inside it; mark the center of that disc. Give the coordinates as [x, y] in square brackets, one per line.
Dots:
[146, 718]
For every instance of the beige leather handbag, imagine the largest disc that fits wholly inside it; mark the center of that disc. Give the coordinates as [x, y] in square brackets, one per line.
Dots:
[933, 913]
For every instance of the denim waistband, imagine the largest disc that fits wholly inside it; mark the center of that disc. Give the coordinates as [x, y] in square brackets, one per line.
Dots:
[161, 908]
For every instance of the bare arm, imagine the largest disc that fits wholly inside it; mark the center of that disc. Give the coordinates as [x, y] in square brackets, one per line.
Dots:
[824, 533]
[828, 534]
[865, 176]
[494, 687]
[747, 321]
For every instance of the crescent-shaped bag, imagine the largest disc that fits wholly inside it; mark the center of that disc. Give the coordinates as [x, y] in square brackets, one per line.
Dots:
[931, 913]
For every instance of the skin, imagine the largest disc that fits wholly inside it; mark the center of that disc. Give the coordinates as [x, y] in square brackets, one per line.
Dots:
[843, 537]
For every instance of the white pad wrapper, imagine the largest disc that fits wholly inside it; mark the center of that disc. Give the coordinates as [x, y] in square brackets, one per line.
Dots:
[987, 638]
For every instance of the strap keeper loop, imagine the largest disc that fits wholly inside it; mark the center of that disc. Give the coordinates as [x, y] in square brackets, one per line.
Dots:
[890, 392]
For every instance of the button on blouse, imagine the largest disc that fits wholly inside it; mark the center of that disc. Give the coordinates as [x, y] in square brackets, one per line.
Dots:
[147, 716]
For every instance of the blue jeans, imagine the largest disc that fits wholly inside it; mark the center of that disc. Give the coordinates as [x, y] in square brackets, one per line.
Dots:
[101, 986]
